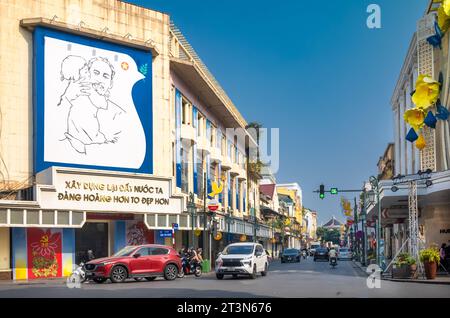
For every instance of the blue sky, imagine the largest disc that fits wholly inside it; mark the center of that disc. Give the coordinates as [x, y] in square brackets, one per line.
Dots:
[312, 69]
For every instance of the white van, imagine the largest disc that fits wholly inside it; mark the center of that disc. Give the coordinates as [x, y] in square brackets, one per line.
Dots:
[313, 247]
[242, 259]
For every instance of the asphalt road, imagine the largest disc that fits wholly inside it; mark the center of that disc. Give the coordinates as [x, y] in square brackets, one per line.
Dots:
[304, 279]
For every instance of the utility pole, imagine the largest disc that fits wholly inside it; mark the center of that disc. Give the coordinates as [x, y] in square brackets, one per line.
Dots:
[205, 215]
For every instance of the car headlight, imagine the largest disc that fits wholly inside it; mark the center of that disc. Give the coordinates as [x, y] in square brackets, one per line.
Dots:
[105, 263]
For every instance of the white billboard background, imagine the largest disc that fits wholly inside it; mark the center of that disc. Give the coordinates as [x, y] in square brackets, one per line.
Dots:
[99, 129]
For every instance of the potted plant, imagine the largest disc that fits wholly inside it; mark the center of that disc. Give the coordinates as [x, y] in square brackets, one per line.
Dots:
[404, 266]
[430, 258]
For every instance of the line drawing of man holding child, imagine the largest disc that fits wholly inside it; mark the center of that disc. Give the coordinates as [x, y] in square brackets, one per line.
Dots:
[92, 117]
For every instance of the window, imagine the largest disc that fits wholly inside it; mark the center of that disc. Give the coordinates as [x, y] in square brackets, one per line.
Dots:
[201, 125]
[184, 171]
[200, 174]
[174, 161]
[212, 172]
[159, 251]
[259, 250]
[186, 111]
[223, 145]
[145, 251]
[126, 251]
[212, 138]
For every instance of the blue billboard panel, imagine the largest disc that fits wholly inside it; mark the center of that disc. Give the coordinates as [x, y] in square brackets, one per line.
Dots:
[92, 104]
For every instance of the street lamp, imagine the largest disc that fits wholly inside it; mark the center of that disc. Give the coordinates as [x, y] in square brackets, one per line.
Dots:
[364, 229]
[376, 188]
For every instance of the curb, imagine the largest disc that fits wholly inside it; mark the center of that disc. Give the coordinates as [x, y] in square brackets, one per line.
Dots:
[418, 281]
[360, 267]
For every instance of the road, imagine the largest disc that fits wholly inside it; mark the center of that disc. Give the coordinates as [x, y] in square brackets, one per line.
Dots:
[304, 279]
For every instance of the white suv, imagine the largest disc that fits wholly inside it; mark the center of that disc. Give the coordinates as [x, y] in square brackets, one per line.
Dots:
[242, 259]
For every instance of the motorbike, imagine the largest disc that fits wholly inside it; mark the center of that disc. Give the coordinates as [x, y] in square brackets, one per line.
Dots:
[189, 267]
[78, 275]
[333, 262]
[304, 254]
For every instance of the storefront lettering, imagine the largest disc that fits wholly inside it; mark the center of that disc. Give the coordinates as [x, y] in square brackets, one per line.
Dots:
[147, 189]
[103, 193]
[444, 231]
[69, 196]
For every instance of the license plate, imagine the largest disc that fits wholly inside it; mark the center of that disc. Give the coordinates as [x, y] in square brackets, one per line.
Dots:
[230, 269]
[289, 258]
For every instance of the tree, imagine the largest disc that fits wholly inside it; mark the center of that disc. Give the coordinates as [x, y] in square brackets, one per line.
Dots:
[328, 235]
[333, 236]
[320, 232]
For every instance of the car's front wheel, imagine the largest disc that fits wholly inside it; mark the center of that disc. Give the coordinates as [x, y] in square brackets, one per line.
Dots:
[219, 276]
[118, 274]
[254, 273]
[170, 272]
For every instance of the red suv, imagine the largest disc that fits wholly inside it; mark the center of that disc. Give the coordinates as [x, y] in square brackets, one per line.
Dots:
[138, 262]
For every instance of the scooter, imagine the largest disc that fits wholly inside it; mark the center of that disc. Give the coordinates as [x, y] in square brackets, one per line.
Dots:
[189, 268]
[78, 275]
[333, 262]
[304, 254]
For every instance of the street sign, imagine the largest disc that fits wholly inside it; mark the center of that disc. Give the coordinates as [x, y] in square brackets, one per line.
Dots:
[175, 226]
[165, 233]
[213, 205]
[334, 190]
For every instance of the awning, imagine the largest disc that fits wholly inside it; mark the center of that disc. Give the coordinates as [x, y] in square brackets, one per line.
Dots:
[394, 205]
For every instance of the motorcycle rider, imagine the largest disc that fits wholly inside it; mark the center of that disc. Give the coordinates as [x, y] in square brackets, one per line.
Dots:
[332, 254]
[199, 255]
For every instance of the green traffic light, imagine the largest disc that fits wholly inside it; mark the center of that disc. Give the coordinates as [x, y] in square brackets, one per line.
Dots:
[322, 196]
[334, 191]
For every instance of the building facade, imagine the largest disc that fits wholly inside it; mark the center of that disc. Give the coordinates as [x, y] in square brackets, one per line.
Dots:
[110, 121]
[434, 198]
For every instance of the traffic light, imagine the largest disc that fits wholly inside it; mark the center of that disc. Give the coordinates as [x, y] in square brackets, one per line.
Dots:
[334, 190]
[322, 191]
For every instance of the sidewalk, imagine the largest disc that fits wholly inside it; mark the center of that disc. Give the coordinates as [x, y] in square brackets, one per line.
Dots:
[34, 282]
[441, 279]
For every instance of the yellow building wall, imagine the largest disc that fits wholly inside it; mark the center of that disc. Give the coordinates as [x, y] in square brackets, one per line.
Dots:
[4, 248]
[293, 195]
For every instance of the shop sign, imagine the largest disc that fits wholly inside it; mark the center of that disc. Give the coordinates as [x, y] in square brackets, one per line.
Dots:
[92, 190]
[165, 233]
[213, 205]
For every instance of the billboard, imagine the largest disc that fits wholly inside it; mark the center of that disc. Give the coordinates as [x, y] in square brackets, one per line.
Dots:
[93, 103]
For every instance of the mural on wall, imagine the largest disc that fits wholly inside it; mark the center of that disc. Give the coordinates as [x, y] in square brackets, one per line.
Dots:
[44, 253]
[138, 233]
[93, 103]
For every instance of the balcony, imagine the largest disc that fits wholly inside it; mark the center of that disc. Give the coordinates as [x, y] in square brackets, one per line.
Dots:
[226, 163]
[203, 144]
[216, 155]
[242, 174]
[235, 170]
[187, 132]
